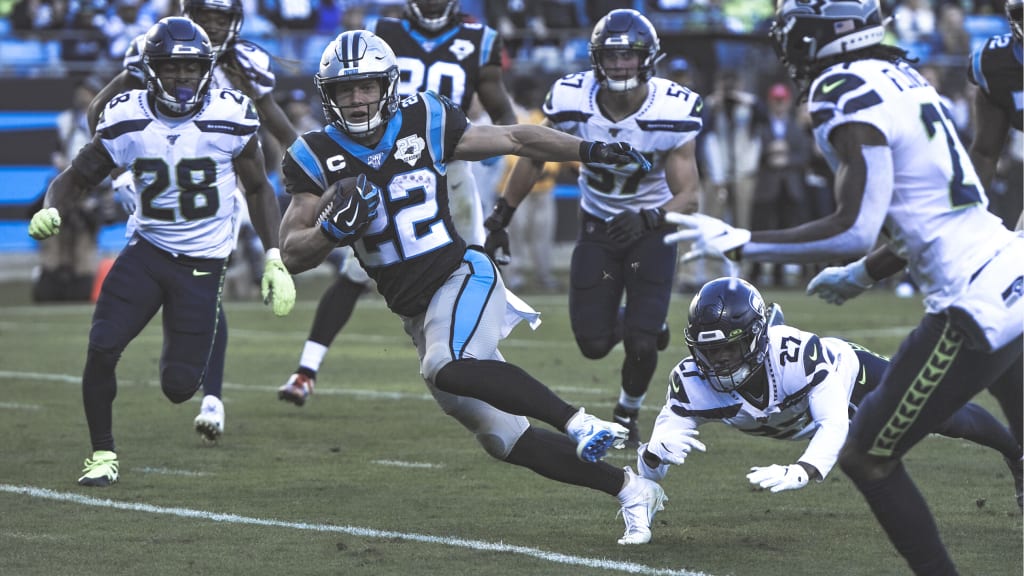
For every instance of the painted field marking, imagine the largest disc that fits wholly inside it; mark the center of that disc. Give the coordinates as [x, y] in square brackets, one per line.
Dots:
[476, 545]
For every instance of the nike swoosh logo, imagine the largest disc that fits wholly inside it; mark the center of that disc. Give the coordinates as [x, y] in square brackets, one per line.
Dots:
[814, 354]
[351, 221]
[196, 272]
[675, 385]
[825, 89]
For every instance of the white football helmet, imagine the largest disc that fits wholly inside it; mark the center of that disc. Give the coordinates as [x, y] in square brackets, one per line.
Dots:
[358, 55]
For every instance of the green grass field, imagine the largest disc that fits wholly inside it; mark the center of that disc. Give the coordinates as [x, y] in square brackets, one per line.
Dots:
[371, 478]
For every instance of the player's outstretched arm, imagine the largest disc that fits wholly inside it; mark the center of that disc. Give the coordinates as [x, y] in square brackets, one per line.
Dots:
[277, 287]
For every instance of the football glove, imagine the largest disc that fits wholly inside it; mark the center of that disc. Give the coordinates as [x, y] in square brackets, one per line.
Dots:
[497, 236]
[347, 215]
[277, 287]
[837, 284]
[711, 236]
[675, 446]
[617, 153]
[44, 223]
[779, 478]
[124, 191]
[627, 226]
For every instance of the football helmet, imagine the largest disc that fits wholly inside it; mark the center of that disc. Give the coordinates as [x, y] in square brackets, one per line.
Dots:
[1013, 14]
[225, 36]
[727, 332]
[354, 56]
[624, 29]
[805, 32]
[180, 40]
[432, 15]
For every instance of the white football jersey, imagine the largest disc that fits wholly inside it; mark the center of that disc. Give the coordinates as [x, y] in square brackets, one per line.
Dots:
[937, 218]
[668, 119]
[810, 381]
[184, 172]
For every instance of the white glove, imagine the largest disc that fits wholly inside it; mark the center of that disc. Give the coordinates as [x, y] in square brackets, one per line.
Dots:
[675, 447]
[711, 236]
[779, 478]
[124, 191]
[837, 284]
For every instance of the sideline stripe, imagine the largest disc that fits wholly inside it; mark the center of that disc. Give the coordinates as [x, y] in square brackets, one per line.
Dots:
[478, 545]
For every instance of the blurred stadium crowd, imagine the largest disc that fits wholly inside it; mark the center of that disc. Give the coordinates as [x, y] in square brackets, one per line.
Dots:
[754, 173]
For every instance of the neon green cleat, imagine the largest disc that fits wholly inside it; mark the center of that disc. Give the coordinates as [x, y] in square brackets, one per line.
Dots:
[100, 470]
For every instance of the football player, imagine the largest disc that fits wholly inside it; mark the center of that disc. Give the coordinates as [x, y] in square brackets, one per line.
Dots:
[997, 72]
[899, 168]
[619, 246]
[437, 50]
[187, 146]
[450, 297]
[750, 371]
[238, 64]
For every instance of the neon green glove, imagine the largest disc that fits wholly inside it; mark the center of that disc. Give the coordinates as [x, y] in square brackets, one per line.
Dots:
[44, 224]
[277, 286]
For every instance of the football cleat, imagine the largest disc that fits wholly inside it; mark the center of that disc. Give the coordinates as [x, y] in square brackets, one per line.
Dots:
[100, 470]
[210, 422]
[628, 419]
[297, 389]
[594, 436]
[641, 499]
[1016, 466]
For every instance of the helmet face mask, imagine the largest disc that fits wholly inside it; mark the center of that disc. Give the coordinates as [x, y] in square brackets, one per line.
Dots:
[221, 19]
[623, 30]
[727, 333]
[432, 15]
[351, 64]
[1014, 10]
[177, 61]
[805, 32]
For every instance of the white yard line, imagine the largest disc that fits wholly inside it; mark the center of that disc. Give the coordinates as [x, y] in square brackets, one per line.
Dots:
[476, 545]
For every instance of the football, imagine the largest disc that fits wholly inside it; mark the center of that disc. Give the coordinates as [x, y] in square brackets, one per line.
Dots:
[335, 198]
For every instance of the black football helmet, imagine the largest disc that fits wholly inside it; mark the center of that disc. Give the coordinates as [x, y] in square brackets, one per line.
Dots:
[432, 15]
[1013, 14]
[624, 29]
[180, 40]
[807, 31]
[223, 37]
[358, 55]
[727, 332]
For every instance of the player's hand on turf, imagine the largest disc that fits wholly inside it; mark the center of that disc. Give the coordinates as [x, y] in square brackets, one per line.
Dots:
[837, 284]
[627, 226]
[44, 223]
[673, 446]
[779, 478]
[277, 287]
[711, 236]
[617, 153]
[496, 243]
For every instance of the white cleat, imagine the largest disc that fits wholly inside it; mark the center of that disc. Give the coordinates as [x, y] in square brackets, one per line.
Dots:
[594, 436]
[641, 499]
[210, 422]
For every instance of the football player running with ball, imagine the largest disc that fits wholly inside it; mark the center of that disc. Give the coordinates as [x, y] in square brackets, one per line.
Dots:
[381, 166]
[749, 371]
[901, 170]
[619, 246]
[439, 51]
[188, 148]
